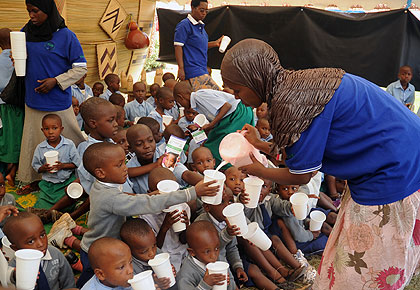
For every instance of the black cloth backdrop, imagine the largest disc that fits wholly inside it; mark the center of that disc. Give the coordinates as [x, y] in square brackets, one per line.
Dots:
[373, 46]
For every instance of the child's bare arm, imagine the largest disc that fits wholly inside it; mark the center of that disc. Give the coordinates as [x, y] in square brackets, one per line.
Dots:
[222, 112]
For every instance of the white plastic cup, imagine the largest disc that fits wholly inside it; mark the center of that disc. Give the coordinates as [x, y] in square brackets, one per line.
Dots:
[8, 252]
[257, 236]
[167, 186]
[299, 202]
[27, 268]
[219, 267]
[162, 267]
[51, 157]
[143, 281]
[166, 120]
[253, 187]
[20, 67]
[179, 226]
[235, 214]
[210, 175]
[74, 190]
[224, 43]
[18, 45]
[317, 219]
[181, 112]
[201, 120]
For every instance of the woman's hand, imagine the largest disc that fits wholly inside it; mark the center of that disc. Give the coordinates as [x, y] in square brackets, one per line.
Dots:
[46, 85]
[255, 169]
[181, 74]
[251, 134]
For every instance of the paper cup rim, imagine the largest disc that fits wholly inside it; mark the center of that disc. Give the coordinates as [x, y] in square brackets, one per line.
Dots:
[167, 181]
[75, 185]
[237, 207]
[140, 276]
[214, 174]
[217, 263]
[153, 263]
[255, 181]
[5, 241]
[317, 212]
[25, 254]
[49, 153]
[299, 194]
[174, 207]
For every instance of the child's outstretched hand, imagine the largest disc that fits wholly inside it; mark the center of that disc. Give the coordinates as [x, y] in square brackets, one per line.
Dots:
[244, 198]
[163, 283]
[242, 276]
[159, 161]
[7, 210]
[214, 279]
[232, 230]
[205, 189]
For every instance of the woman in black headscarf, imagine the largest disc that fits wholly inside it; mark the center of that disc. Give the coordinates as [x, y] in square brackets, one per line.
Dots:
[55, 61]
[345, 126]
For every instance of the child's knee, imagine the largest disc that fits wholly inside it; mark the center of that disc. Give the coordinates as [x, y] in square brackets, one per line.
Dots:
[331, 218]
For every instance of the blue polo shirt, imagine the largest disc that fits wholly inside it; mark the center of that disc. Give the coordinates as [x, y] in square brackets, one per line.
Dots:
[366, 136]
[48, 59]
[191, 35]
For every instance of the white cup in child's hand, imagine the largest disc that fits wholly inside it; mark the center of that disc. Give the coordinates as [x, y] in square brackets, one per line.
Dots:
[210, 175]
[317, 219]
[235, 214]
[299, 203]
[219, 267]
[27, 268]
[257, 237]
[162, 267]
[51, 158]
[253, 187]
[143, 281]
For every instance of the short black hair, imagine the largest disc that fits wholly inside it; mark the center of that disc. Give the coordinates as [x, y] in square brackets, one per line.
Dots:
[110, 78]
[91, 108]
[52, 117]
[99, 83]
[166, 76]
[196, 3]
[175, 130]
[158, 174]
[96, 155]
[134, 227]
[407, 66]
[116, 99]
[11, 224]
[163, 93]
[149, 122]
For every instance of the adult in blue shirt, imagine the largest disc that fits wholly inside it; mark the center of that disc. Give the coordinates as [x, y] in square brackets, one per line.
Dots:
[348, 127]
[55, 62]
[191, 43]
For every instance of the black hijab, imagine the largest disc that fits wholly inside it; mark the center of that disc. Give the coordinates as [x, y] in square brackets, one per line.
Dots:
[43, 32]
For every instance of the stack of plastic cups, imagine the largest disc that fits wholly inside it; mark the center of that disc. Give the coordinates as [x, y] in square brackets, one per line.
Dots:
[18, 44]
[27, 268]
[143, 281]
[162, 267]
[210, 175]
[253, 187]
[219, 268]
[235, 214]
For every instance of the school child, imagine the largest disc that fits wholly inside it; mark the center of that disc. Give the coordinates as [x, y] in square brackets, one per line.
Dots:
[168, 76]
[262, 111]
[139, 236]
[153, 93]
[148, 157]
[55, 177]
[97, 89]
[401, 89]
[117, 99]
[109, 205]
[121, 139]
[165, 102]
[113, 85]
[138, 107]
[203, 248]
[263, 127]
[154, 127]
[202, 160]
[76, 110]
[26, 231]
[235, 180]
[81, 91]
[111, 262]
[187, 122]
[225, 113]
[120, 116]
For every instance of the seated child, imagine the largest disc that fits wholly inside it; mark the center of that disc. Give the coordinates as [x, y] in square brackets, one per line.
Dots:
[170, 83]
[113, 85]
[76, 110]
[26, 231]
[81, 91]
[148, 157]
[117, 99]
[225, 113]
[55, 177]
[235, 180]
[202, 160]
[263, 127]
[138, 107]
[187, 122]
[165, 102]
[203, 248]
[155, 127]
[139, 236]
[97, 89]
[5, 199]
[262, 111]
[153, 93]
[109, 205]
[121, 139]
[111, 262]
[401, 89]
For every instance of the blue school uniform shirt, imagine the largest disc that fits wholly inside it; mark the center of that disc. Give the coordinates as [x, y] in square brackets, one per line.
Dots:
[366, 136]
[268, 139]
[79, 120]
[155, 115]
[174, 112]
[141, 184]
[191, 35]
[107, 94]
[81, 95]
[134, 109]
[48, 59]
[184, 123]
[95, 284]
[151, 101]
[209, 102]
[397, 91]
[67, 153]
[6, 70]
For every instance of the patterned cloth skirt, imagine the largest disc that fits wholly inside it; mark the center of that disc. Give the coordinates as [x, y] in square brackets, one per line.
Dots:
[203, 82]
[372, 247]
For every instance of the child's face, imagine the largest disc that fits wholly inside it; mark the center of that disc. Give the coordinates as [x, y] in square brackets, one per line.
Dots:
[115, 170]
[286, 191]
[203, 161]
[405, 75]
[190, 114]
[265, 189]
[153, 90]
[139, 92]
[144, 248]
[144, 145]
[75, 105]
[30, 234]
[2, 187]
[114, 85]
[170, 160]
[262, 111]
[117, 267]
[235, 180]
[183, 100]
[106, 125]
[263, 128]
[98, 89]
[121, 139]
[206, 247]
[216, 210]
[52, 129]
[167, 102]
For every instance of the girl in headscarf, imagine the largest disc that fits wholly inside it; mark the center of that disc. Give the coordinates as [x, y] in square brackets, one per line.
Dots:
[55, 62]
[348, 127]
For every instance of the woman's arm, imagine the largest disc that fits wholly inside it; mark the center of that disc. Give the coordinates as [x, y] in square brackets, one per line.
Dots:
[71, 76]
[180, 62]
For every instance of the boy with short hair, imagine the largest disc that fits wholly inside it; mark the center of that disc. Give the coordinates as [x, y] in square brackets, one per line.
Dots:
[121, 139]
[165, 102]
[202, 159]
[55, 177]
[76, 110]
[262, 111]
[225, 113]
[154, 126]
[111, 262]
[204, 247]
[401, 89]
[81, 91]
[97, 89]
[138, 107]
[187, 122]
[26, 231]
[120, 116]
[113, 85]
[153, 93]
[168, 76]
[117, 99]
[263, 127]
